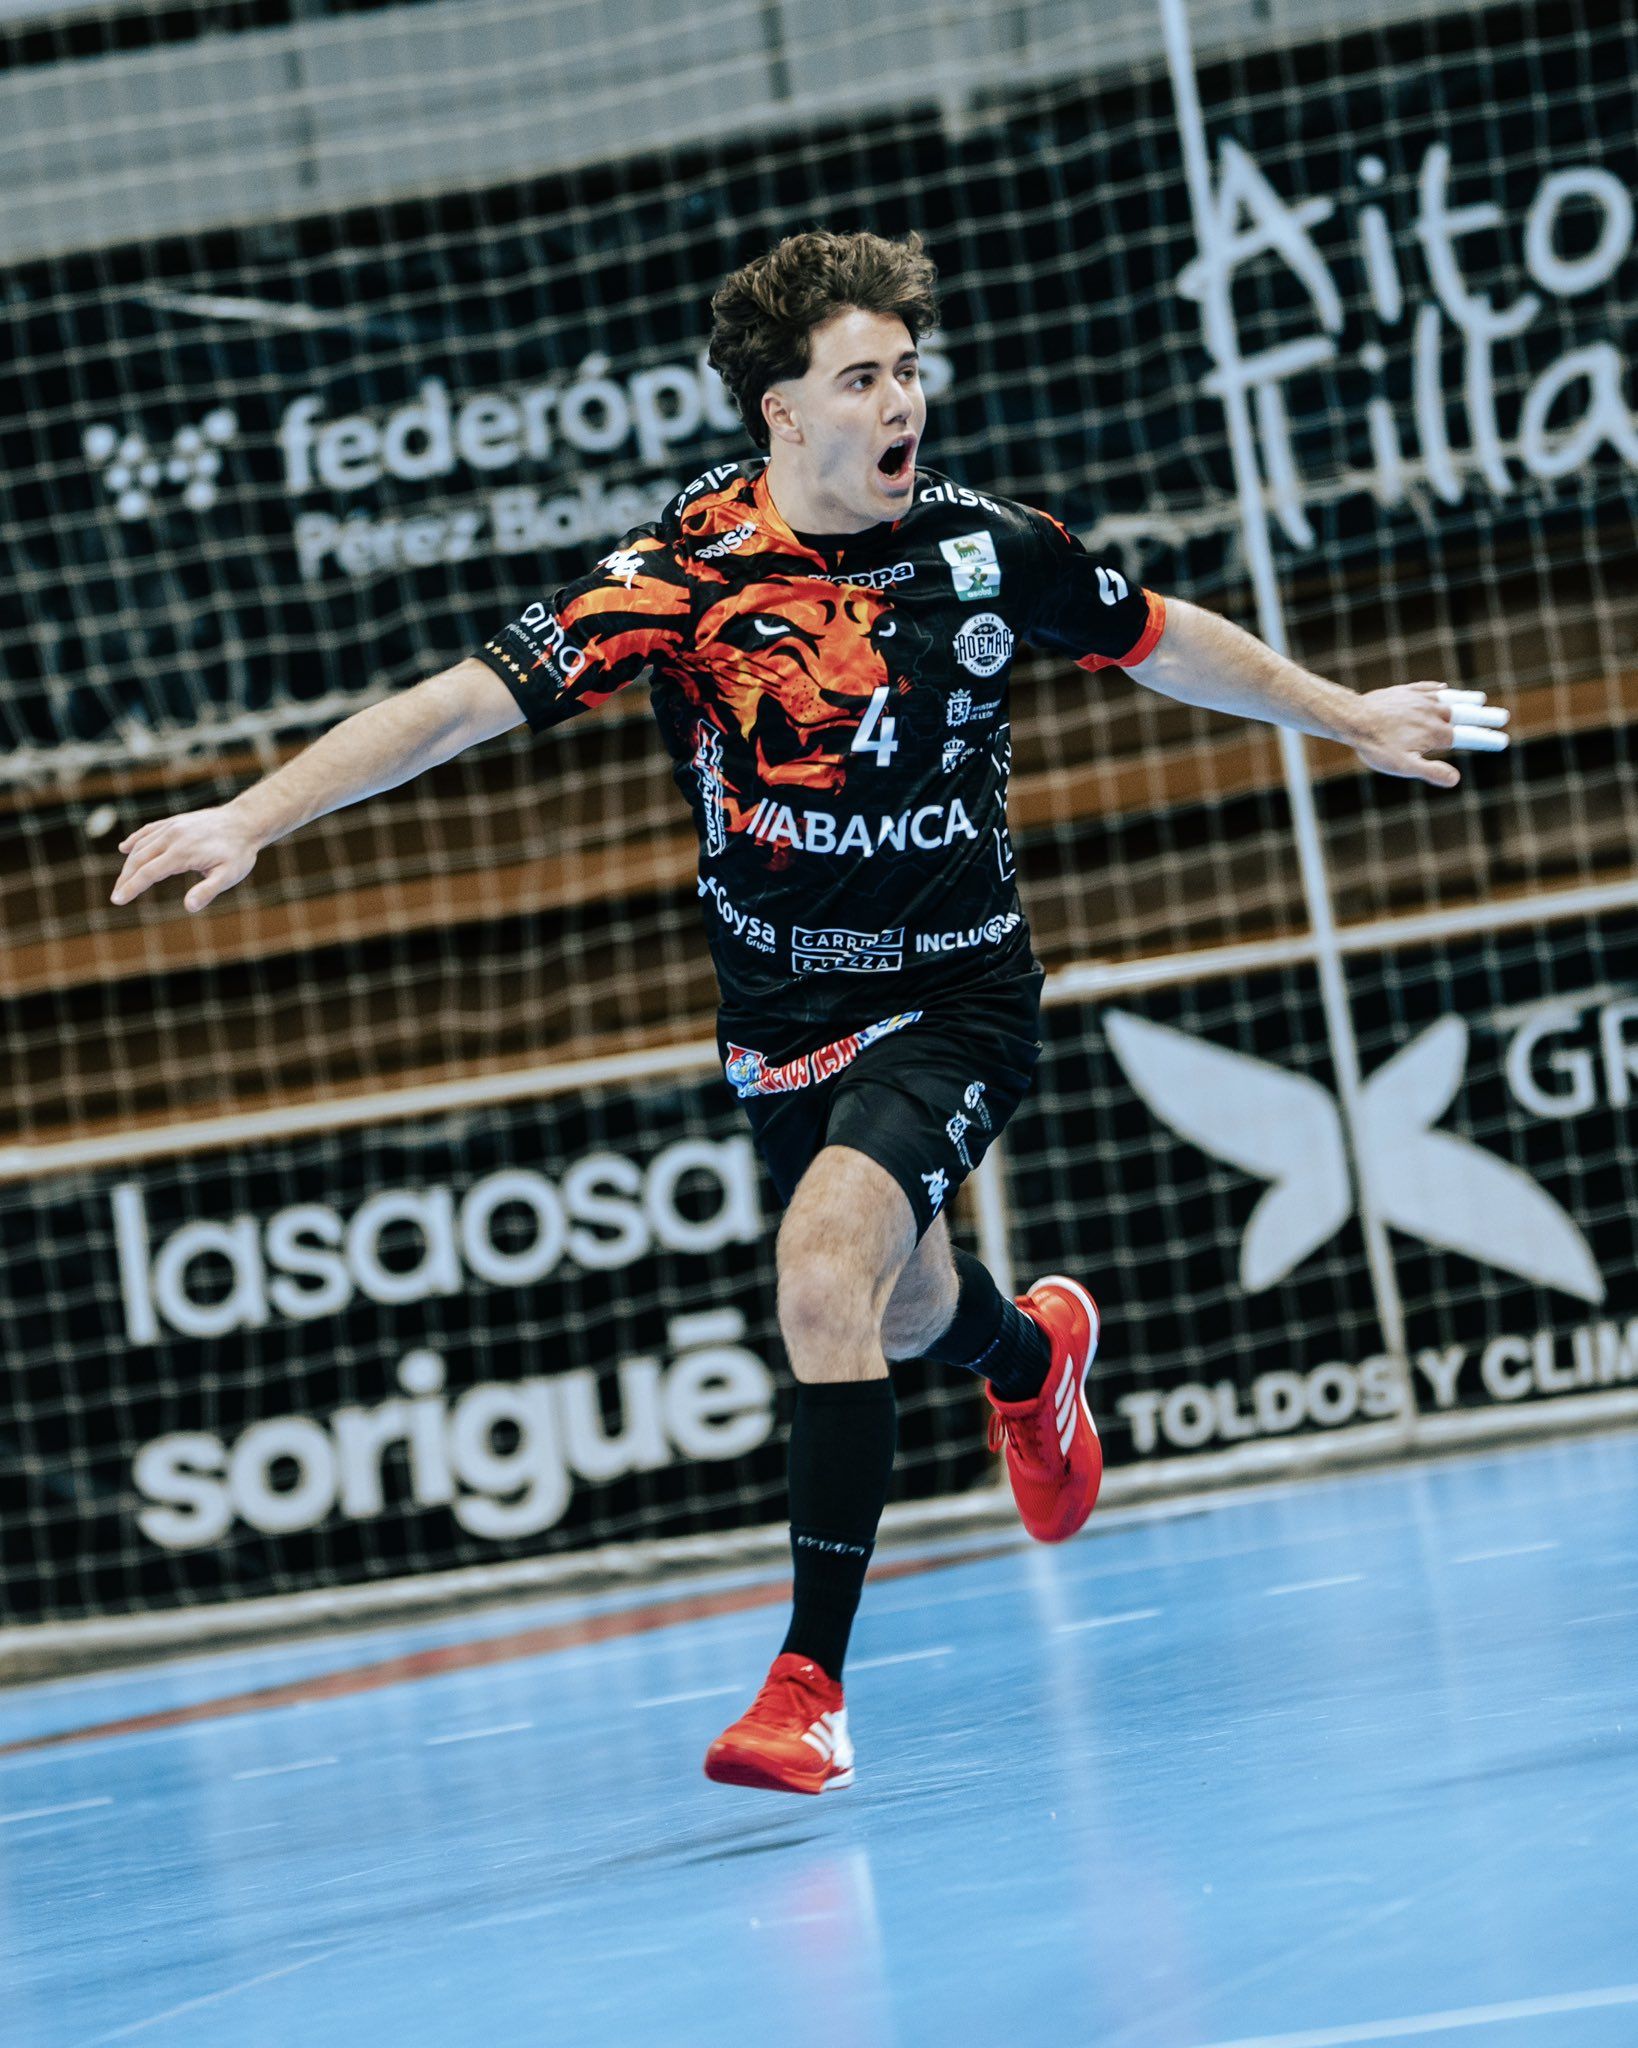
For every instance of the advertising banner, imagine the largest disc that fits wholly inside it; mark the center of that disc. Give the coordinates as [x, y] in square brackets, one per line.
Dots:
[238, 466]
[1184, 1149]
[391, 1350]
[523, 1330]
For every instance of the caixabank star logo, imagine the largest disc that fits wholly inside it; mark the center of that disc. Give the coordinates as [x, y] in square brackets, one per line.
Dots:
[1287, 1130]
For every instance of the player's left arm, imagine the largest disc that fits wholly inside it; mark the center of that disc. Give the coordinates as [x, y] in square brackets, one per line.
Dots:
[1090, 611]
[1202, 658]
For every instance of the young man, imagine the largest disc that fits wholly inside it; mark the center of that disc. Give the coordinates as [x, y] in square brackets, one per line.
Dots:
[829, 634]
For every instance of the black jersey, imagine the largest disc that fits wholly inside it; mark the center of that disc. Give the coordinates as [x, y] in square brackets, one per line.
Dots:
[837, 712]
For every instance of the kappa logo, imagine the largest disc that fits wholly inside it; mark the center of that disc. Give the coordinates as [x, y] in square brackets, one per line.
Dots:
[625, 564]
[1286, 1129]
[874, 579]
[937, 1184]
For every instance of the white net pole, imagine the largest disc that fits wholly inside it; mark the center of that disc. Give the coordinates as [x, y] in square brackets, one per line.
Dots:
[1224, 347]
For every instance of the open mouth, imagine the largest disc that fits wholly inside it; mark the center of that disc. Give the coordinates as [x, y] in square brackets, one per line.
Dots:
[893, 461]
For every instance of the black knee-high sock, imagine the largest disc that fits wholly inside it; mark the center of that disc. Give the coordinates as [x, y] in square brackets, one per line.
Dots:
[843, 1437]
[989, 1336]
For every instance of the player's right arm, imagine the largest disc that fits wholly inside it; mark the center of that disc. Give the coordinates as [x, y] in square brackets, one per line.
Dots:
[377, 748]
[554, 661]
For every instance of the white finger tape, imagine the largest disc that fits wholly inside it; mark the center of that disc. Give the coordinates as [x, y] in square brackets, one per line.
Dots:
[1455, 697]
[1478, 739]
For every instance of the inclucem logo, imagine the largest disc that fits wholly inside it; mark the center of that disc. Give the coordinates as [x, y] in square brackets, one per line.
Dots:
[1286, 1129]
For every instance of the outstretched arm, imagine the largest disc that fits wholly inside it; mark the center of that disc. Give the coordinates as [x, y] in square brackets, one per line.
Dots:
[1207, 660]
[377, 748]
[557, 659]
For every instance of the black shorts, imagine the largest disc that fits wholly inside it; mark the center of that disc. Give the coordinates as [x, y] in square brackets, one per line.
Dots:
[924, 1093]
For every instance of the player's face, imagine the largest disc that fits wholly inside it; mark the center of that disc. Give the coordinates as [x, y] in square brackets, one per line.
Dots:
[846, 433]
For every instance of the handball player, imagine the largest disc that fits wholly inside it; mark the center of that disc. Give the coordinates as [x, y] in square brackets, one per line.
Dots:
[828, 632]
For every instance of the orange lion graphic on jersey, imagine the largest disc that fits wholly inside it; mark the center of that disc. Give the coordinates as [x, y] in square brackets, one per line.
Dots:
[796, 665]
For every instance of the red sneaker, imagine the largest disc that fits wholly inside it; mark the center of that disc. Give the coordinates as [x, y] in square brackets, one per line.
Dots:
[1054, 1458]
[792, 1738]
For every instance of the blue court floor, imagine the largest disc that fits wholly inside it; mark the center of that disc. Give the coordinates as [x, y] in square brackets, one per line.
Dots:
[1352, 1761]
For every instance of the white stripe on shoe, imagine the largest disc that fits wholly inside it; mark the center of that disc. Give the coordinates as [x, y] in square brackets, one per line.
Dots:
[829, 1736]
[1075, 1380]
[1064, 1406]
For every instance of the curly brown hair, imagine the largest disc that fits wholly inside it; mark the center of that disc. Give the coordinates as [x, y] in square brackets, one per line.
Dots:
[763, 317]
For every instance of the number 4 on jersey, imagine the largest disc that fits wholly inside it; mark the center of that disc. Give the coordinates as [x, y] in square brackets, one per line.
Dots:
[875, 734]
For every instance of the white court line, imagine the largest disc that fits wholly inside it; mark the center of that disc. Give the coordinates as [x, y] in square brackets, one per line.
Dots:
[904, 1657]
[210, 1998]
[478, 1734]
[45, 1812]
[1586, 1620]
[1442, 2022]
[1517, 1550]
[324, 1884]
[311, 1763]
[1065, 1628]
[676, 1699]
[1314, 1585]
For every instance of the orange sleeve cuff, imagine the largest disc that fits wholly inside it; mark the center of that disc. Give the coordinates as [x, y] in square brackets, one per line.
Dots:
[1146, 645]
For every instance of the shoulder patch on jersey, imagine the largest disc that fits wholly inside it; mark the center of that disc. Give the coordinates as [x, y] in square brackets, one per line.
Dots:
[715, 501]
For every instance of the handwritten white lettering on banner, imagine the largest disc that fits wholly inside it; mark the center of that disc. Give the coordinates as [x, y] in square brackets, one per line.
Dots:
[1573, 408]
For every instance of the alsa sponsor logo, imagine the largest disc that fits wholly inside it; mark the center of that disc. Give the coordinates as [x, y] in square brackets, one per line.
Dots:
[836, 950]
[957, 494]
[752, 1073]
[872, 579]
[712, 480]
[729, 544]
[975, 569]
[425, 1447]
[509, 1229]
[755, 931]
[990, 933]
[929, 828]
[1287, 1130]
[984, 645]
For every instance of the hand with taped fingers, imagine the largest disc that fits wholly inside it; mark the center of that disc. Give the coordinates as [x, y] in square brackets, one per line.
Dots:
[1398, 729]
[214, 844]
